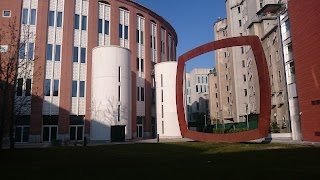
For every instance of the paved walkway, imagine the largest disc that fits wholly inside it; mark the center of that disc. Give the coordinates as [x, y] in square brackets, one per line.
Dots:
[96, 143]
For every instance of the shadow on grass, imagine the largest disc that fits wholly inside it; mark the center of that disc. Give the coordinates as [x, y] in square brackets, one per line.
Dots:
[188, 160]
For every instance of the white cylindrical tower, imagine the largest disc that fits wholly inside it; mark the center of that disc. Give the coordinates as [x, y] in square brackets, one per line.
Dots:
[166, 109]
[111, 94]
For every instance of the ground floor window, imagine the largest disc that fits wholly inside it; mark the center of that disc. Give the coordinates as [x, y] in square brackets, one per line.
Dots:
[49, 128]
[22, 128]
[76, 129]
[140, 120]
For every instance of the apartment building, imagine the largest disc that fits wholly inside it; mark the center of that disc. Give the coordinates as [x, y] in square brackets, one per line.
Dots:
[65, 34]
[197, 94]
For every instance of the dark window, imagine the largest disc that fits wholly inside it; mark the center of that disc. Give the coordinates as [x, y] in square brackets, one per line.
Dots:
[138, 94]
[141, 37]
[49, 51]
[137, 36]
[242, 50]
[138, 64]
[24, 16]
[84, 23]
[119, 93]
[51, 18]
[239, 10]
[100, 26]
[118, 112]
[31, 51]
[76, 21]
[126, 32]
[74, 88]
[76, 120]
[83, 55]
[240, 23]
[151, 42]
[119, 74]
[82, 88]
[55, 87]
[197, 88]
[58, 52]
[59, 19]
[142, 65]
[120, 30]
[75, 54]
[19, 88]
[243, 63]
[245, 92]
[106, 27]
[161, 80]
[161, 95]
[33, 16]
[28, 87]
[47, 85]
[22, 51]
[162, 115]
[142, 94]
[244, 78]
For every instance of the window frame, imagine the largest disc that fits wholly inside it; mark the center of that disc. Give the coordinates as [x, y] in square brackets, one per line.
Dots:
[5, 16]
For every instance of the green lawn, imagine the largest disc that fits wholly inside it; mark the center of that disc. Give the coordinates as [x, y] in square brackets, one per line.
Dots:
[189, 160]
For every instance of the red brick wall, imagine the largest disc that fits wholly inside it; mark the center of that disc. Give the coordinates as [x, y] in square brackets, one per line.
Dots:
[305, 32]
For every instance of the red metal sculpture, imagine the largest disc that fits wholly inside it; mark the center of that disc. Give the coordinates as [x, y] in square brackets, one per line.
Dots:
[265, 96]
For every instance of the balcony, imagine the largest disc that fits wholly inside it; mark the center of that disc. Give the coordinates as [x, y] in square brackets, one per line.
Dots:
[280, 99]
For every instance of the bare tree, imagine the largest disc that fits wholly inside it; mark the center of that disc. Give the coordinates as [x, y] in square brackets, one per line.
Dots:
[110, 110]
[17, 60]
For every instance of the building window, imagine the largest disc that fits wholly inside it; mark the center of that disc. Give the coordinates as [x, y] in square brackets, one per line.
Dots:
[75, 54]
[244, 78]
[118, 113]
[74, 88]
[59, 19]
[217, 104]
[76, 21]
[291, 66]
[243, 63]
[99, 25]
[84, 23]
[30, 51]
[119, 73]
[33, 17]
[83, 55]
[215, 85]
[55, 87]
[126, 32]
[228, 99]
[242, 50]
[6, 13]
[82, 88]
[24, 16]
[28, 87]
[162, 114]
[240, 23]
[161, 80]
[47, 85]
[119, 93]
[120, 30]
[216, 95]
[19, 87]
[49, 52]
[138, 94]
[197, 90]
[245, 92]
[279, 75]
[142, 94]
[239, 9]
[58, 53]
[51, 18]
[106, 27]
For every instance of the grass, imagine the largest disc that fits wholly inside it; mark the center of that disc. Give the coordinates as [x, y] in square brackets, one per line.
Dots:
[188, 160]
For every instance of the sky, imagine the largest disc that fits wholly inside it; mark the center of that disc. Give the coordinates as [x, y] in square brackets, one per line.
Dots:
[193, 23]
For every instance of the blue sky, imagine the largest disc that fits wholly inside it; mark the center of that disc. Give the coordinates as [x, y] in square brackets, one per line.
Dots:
[193, 23]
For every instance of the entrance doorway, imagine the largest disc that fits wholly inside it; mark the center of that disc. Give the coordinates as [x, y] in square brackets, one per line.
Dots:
[118, 133]
[139, 131]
